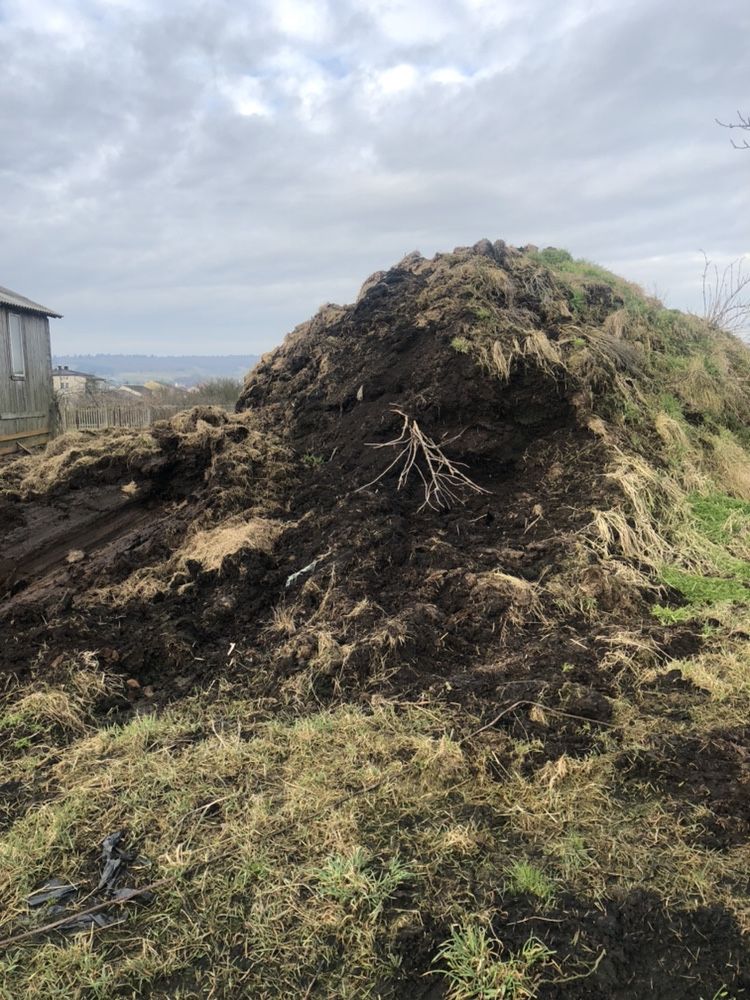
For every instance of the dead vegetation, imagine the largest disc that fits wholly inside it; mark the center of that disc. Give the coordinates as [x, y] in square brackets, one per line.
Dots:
[442, 479]
[726, 295]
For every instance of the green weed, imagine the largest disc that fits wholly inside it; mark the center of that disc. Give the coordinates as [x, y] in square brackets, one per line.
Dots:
[671, 406]
[355, 881]
[476, 971]
[526, 879]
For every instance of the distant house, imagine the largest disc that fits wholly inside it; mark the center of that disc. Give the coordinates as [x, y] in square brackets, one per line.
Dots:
[141, 391]
[68, 382]
[25, 381]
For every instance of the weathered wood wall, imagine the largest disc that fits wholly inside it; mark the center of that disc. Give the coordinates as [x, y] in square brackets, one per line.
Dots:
[25, 403]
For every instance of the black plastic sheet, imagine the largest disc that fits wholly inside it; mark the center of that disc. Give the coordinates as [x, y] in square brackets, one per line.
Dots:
[59, 897]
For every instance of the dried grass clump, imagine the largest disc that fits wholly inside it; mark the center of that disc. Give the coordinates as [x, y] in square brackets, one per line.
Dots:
[518, 599]
[589, 584]
[731, 465]
[674, 434]
[522, 342]
[537, 347]
[700, 389]
[203, 549]
[74, 457]
[611, 351]
[480, 278]
[655, 525]
[60, 705]
[639, 529]
[211, 546]
[51, 708]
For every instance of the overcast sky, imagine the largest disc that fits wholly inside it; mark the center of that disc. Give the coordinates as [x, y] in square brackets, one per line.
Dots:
[180, 177]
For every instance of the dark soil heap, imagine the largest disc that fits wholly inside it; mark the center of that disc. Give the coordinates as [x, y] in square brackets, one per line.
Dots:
[560, 427]
[402, 597]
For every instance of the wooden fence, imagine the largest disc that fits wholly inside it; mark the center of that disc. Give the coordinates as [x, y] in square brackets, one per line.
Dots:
[98, 417]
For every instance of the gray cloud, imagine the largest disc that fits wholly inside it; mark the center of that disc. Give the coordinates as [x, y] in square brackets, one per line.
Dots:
[200, 177]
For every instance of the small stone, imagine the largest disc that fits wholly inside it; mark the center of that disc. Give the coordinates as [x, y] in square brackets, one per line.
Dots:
[148, 691]
[75, 555]
[132, 683]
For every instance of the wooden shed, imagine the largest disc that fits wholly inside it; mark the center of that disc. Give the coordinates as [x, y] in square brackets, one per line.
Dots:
[26, 399]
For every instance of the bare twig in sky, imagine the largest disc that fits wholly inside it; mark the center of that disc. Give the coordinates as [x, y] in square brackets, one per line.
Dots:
[726, 294]
[742, 123]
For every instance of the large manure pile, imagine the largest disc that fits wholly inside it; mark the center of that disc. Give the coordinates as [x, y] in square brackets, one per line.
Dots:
[425, 673]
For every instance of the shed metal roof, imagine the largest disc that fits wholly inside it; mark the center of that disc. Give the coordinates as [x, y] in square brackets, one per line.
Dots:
[9, 298]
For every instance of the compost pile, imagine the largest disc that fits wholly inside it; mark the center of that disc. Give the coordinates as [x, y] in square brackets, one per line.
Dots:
[259, 531]
[429, 495]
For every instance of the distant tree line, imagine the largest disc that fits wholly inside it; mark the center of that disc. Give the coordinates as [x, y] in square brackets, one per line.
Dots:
[219, 391]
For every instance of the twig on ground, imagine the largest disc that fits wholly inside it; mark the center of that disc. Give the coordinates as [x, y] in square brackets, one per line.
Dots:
[71, 917]
[442, 479]
[544, 708]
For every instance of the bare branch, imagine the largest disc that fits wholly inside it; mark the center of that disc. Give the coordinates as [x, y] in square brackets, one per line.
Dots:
[726, 295]
[743, 123]
[442, 479]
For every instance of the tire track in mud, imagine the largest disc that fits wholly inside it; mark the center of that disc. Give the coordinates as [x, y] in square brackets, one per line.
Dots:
[26, 569]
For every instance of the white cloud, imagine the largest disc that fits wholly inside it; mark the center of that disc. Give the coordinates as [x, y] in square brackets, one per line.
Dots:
[306, 20]
[246, 96]
[397, 79]
[449, 75]
[62, 25]
[407, 23]
[306, 85]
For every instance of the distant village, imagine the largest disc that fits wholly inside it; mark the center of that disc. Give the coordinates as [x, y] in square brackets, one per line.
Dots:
[39, 400]
[68, 384]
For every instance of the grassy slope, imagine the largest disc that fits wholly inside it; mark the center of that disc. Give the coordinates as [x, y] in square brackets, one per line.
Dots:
[311, 856]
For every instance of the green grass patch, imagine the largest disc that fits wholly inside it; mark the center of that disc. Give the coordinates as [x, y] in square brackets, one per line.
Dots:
[719, 517]
[701, 593]
[476, 968]
[671, 406]
[564, 262]
[723, 522]
[360, 883]
[461, 344]
[705, 591]
[527, 879]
